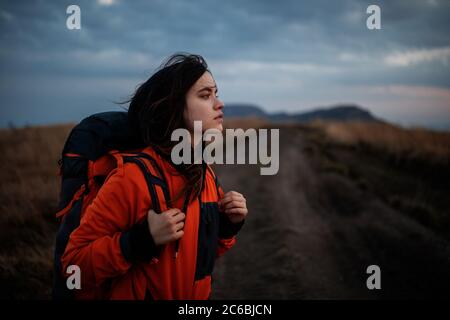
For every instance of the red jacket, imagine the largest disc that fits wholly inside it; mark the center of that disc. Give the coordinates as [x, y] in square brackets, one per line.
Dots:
[115, 251]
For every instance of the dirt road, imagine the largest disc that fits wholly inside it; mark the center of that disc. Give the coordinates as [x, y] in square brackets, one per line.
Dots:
[312, 234]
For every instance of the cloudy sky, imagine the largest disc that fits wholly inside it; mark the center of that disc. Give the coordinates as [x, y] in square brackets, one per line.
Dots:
[282, 55]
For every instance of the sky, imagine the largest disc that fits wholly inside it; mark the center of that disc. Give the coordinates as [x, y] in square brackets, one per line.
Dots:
[286, 55]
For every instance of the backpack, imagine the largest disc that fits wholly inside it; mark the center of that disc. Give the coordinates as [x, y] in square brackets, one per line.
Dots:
[92, 150]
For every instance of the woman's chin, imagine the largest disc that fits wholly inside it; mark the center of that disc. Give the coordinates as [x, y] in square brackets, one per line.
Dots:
[219, 127]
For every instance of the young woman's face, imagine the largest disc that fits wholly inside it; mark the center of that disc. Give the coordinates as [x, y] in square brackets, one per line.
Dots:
[203, 104]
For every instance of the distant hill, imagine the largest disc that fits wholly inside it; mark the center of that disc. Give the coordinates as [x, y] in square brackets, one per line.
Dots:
[337, 113]
[244, 110]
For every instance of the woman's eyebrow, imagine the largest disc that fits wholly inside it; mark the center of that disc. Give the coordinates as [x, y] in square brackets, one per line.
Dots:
[208, 89]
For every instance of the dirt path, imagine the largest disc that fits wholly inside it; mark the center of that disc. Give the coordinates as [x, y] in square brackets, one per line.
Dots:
[312, 235]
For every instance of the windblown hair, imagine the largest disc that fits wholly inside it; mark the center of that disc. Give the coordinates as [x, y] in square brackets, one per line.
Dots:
[156, 110]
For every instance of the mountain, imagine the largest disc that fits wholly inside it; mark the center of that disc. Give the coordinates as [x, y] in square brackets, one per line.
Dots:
[244, 110]
[337, 113]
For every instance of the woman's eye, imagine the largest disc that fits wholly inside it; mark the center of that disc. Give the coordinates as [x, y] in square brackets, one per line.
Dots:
[208, 96]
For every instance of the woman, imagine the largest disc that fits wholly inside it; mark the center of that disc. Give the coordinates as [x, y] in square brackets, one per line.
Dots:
[125, 250]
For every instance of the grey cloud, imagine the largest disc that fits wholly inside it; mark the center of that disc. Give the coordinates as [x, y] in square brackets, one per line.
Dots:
[306, 46]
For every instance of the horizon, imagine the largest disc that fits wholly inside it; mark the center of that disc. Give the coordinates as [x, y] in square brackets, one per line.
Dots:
[444, 129]
[284, 57]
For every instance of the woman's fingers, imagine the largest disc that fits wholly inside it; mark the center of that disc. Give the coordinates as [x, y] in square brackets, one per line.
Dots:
[229, 197]
[169, 213]
[234, 204]
[231, 200]
[240, 211]
[179, 226]
[177, 235]
[179, 216]
[167, 226]
[173, 212]
[226, 200]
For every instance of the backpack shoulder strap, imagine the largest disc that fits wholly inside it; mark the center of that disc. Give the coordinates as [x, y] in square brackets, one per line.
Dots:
[151, 179]
[216, 180]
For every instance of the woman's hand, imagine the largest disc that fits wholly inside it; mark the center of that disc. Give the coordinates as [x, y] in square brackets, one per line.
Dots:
[234, 205]
[167, 226]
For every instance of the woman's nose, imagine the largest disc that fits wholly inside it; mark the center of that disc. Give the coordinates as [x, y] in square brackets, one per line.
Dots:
[219, 104]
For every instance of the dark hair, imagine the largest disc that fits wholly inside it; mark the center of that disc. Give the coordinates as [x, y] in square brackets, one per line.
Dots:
[156, 109]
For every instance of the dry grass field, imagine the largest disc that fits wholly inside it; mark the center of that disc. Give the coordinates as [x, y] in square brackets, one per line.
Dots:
[347, 195]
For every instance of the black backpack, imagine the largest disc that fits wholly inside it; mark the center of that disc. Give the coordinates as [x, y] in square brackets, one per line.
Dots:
[88, 142]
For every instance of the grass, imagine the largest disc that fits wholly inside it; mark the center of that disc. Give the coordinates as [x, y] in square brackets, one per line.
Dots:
[245, 123]
[408, 169]
[28, 201]
[412, 143]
